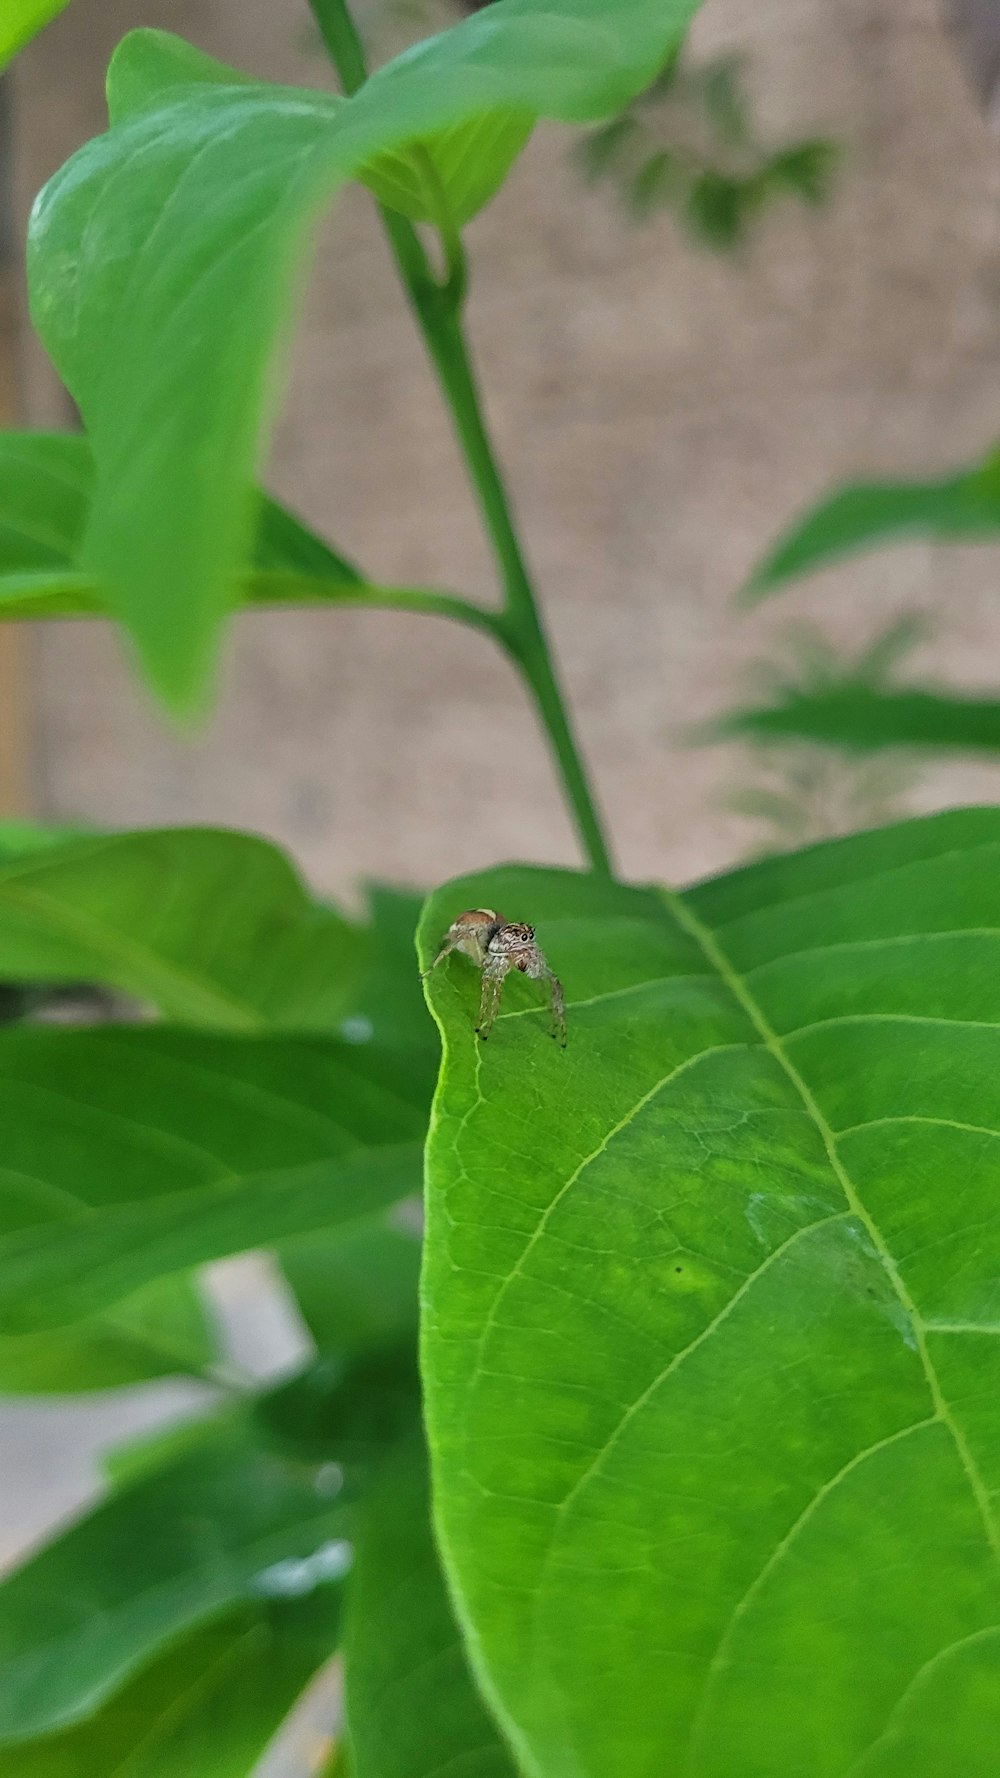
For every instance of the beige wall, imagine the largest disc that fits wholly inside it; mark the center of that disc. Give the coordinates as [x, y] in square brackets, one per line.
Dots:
[661, 414]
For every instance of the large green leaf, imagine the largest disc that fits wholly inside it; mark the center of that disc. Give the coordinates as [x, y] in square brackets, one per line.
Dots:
[711, 1313]
[206, 1709]
[230, 1521]
[134, 1153]
[412, 1708]
[21, 20]
[953, 509]
[210, 927]
[164, 255]
[866, 718]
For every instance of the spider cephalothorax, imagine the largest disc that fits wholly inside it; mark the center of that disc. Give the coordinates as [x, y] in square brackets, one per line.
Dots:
[497, 946]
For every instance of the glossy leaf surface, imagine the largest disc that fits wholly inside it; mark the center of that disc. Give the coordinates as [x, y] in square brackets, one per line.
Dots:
[228, 1522]
[413, 1710]
[210, 927]
[711, 1316]
[865, 719]
[954, 509]
[206, 1709]
[163, 257]
[131, 1154]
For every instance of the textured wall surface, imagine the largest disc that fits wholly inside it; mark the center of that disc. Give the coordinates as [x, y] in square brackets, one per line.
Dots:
[661, 413]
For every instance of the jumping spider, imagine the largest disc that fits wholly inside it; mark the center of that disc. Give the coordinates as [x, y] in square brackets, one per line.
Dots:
[497, 946]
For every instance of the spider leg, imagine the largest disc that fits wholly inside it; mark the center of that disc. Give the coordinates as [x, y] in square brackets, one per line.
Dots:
[494, 973]
[558, 1001]
[449, 945]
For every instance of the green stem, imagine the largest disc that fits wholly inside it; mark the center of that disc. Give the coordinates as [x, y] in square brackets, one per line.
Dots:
[437, 307]
[275, 588]
[521, 620]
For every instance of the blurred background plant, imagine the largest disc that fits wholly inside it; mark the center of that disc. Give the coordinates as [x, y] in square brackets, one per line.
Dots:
[800, 790]
[690, 145]
[859, 708]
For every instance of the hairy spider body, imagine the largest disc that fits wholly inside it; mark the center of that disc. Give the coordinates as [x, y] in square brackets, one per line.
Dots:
[497, 946]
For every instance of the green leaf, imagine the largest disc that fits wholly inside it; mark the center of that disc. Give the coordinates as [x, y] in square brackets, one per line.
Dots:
[210, 927]
[864, 719]
[229, 1522]
[357, 1291]
[164, 256]
[22, 20]
[956, 509]
[389, 1007]
[134, 1153]
[412, 1707]
[711, 1315]
[205, 1709]
[159, 1332]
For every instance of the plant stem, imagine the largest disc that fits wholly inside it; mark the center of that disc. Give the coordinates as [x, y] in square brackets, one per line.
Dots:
[437, 307]
[521, 621]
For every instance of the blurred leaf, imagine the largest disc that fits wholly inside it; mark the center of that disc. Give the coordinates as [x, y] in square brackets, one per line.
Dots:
[46, 487]
[134, 1153]
[45, 499]
[205, 1709]
[352, 1409]
[710, 1310]
[471, 162]
[341, 1761]
[412, 1707]
[389, 1008]
[357, 1291]
[863, 718]
[717, 208]
[161, 1331]
[18, 837]
[599, 150]
[164, 255]
[807, 169]
[212, 927]
[958, 508]
[722, 87]
[21, 20]
[230, 1522]
[655, 182]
